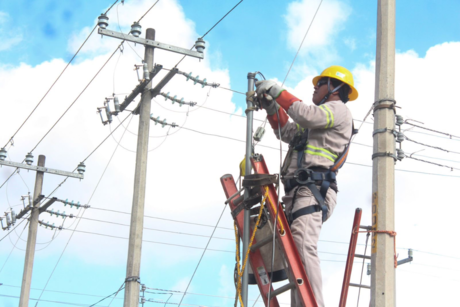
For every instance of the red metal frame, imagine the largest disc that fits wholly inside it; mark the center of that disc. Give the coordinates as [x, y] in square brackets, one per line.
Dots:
[286, 242]
[255, 257]
[350, 258]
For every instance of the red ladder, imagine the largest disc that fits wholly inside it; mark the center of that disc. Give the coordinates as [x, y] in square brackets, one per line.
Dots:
[297, 275]
[351, 258]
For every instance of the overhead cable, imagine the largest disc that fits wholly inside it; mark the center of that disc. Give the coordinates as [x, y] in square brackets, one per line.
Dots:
[431, 146]
[211, 29]
[313, 19]
[204, 251]
[78, 222]
[432, 130]
[55, 81]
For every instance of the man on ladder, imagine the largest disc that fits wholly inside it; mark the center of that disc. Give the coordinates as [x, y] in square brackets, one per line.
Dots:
[319, 139]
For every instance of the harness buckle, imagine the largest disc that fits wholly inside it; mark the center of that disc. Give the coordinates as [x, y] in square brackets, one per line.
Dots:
[303, 175]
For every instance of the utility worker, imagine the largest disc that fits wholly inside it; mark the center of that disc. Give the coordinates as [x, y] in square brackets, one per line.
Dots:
[319, 136]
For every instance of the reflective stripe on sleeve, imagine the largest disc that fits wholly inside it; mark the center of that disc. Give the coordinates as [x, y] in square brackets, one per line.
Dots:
[329, 116]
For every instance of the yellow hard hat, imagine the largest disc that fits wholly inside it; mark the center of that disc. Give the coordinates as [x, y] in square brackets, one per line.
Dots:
[342, 74]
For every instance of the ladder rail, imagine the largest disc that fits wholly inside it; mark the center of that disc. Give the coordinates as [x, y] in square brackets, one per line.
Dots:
[350, 258]
[295, 266]
[255, 257]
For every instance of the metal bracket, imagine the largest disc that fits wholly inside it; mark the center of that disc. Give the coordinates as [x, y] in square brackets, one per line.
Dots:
[383, 130]
[151, 43]
[384, 154]
[47, 205]
[133, 278]
[41, 169]
[140, 87]
[379, 106]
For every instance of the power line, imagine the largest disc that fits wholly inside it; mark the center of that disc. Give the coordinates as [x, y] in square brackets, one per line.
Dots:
[429, 162]
[47, 301]
[202, 255]
[211, 29]
[352, 163]
[83, 212]
[154, 229]
[14, 246]
[55, 81]
[435, 147]
[313, 19]
[421, 127]
[113, 294]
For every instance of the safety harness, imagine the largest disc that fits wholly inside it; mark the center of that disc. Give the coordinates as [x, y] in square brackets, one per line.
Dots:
[310, 178]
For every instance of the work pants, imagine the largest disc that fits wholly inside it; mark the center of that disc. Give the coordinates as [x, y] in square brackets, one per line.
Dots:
[305, 231]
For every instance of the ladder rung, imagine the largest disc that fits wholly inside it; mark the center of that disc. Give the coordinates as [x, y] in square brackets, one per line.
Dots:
[261, 243]
[282, 289]
[359, 286]
[362, 256]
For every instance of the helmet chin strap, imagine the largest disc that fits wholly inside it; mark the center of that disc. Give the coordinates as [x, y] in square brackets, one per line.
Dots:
[329, 92]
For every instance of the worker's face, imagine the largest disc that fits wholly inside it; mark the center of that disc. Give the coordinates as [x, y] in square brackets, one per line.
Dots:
[320, 90]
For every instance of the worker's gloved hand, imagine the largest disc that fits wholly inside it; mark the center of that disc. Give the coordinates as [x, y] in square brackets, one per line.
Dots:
[269, 104]
[268, 87]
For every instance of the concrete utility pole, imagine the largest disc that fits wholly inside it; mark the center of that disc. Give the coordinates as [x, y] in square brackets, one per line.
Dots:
[248, 168]
[140, 177]
[382, 261]
[32, 237]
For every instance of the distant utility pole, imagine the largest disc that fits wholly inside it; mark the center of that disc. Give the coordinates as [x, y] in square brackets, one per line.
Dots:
[384, 157]
[132, 280]
[35, 209]
[140, 177]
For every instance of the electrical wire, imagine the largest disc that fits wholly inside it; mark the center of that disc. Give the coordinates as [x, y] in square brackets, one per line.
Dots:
[435, 147]
[351, 163]
[55, 81]
[14, 246]
[114, 294]
[155, 229]
[202, 255]
[211, 30]
[433, 163]
[432, 130]
[78, 222]
[14, 228]
[313, 19]
[47, 301]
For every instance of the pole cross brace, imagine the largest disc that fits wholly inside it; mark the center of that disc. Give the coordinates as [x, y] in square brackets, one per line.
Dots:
[151, 43]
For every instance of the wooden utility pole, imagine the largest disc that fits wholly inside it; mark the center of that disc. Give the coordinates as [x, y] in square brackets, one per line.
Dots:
[140, 177]
[384, 157]
[32, 237]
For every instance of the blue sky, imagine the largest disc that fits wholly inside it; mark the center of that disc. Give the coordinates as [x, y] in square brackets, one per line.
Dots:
[39, 37]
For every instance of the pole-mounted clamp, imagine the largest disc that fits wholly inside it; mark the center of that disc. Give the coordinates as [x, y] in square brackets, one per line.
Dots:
[378, 105]
[384, 154]
[133, 278]
[383, 130]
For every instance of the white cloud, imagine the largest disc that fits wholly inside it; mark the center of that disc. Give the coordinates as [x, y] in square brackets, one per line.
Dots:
[327, 24]
[183, 173]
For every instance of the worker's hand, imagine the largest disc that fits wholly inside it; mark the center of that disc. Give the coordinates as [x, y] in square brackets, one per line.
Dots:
[268, 87]
[269, 104]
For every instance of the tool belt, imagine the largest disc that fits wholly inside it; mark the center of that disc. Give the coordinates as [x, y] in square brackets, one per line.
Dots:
[310, 178]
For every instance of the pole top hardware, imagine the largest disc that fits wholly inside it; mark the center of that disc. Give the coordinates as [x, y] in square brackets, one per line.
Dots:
[3, 154]
[103, 21]
[136, 29]
[29, 158]
[200, 45]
